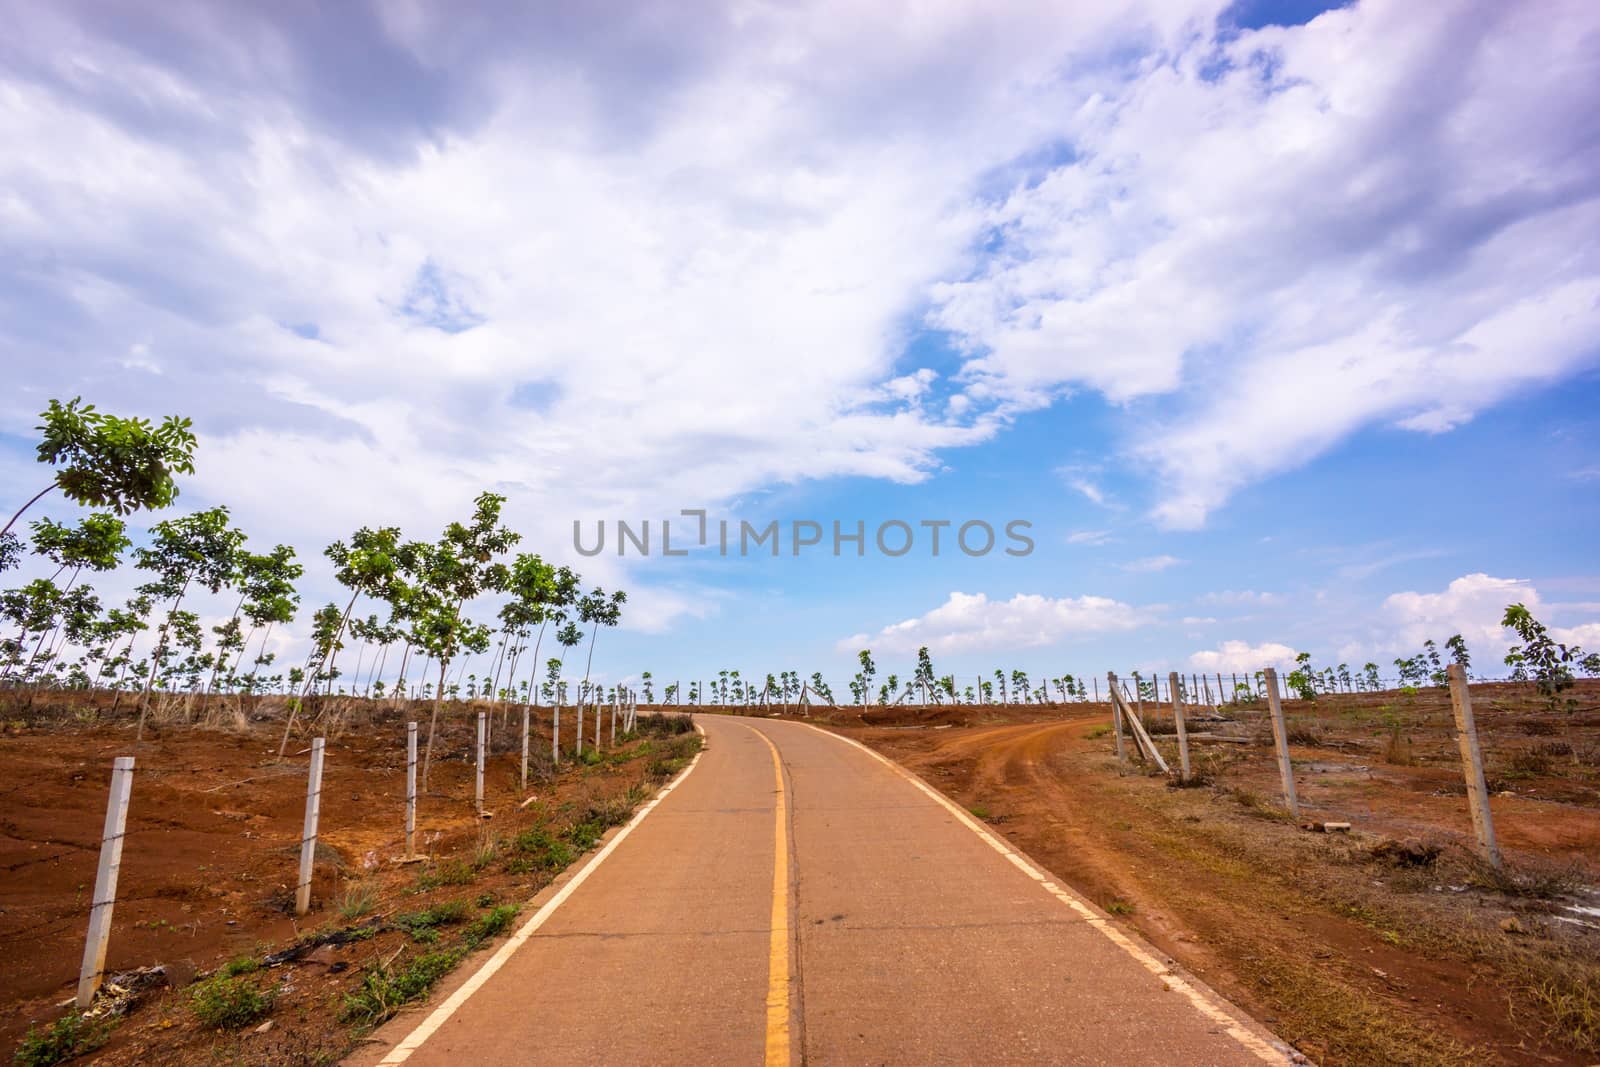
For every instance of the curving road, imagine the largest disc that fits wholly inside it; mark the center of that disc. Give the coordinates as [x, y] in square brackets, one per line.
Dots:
[794, 898]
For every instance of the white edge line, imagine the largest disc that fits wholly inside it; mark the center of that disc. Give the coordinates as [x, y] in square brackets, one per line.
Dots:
[1201, 1001]
[440, 1015]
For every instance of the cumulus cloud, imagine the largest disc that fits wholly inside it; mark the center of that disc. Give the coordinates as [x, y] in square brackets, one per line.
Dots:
[1283, 237]
[969, 621]
[1585, 635]
[388, 255]
[1241, 657]
[1471, 606]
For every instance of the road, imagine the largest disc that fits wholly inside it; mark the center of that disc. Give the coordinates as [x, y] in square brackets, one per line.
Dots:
[797, 899]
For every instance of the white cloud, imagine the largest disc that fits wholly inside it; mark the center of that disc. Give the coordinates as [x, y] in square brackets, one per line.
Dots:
[1151, 564]
[1089, 537]
[1240, 596]
[1382, 215]
[1471, 606]
[583, 266]
[971, 621]
[1584, 635]
[1241, 657]
[1090, 490]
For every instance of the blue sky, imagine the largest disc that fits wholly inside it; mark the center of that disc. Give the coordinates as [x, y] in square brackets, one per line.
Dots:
[1276, 321]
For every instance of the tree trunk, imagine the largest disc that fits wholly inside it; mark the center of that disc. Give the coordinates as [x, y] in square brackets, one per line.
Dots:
[433, 723]
[399, 688]
[25, 507]
[305, 687]
[155, 664]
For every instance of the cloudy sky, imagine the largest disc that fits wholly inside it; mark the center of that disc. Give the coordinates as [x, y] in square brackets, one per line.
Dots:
[1279, 322]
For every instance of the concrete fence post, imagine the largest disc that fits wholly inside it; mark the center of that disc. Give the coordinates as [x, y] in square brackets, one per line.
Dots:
[105, 881]
[526, 716]
[555, 734]
[308, 835]
[1183, 733]
[577, 714]
[411, 790]
[1472, 766]
[1116, 718]
[1280, 740]
[598, 712]
[483, 730]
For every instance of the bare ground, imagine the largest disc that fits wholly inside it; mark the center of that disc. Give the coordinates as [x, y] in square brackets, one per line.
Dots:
[211, 859]
[1389, 944]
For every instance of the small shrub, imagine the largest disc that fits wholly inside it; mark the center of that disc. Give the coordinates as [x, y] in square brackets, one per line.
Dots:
[1303, 734]
[1120, 907]
[981, 812]
[1527, 765]
[72, 1035]
[224, 1003]
[489, 925]
[455, 872]
[240, 965]
[421, 924]
[385, 991]
[488, 848]
[1094, 733]
[539, 849]
[357, 900]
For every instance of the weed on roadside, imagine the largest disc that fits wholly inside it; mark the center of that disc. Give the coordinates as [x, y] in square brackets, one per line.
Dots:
[423, 925]
[385, 990]
[357, 900]
[71, 1035]
[224, 1003]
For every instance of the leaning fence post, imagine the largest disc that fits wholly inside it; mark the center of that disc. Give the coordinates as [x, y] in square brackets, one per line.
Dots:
[105, 881]
[1280, 740]
[1472, 765]
[308, 836]
[411, 790]
[1183, 734]
[482, 729]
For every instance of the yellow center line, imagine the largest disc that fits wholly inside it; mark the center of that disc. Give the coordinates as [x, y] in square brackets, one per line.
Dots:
[778, 957]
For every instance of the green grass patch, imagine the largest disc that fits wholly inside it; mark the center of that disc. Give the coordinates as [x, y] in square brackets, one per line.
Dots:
[489, 925]
[224, 1003]
[239, 965]
[384, 990]
[423, 925]
[456, 872]
[72, 1035]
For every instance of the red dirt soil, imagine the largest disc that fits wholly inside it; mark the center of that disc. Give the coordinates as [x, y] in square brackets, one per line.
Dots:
[211, 858]
[1350, 960]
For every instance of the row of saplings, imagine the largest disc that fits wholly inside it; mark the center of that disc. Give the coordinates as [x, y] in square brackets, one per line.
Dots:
[440, 935]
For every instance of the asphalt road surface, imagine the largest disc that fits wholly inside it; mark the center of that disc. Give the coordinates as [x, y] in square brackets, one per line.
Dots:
[794, 898]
